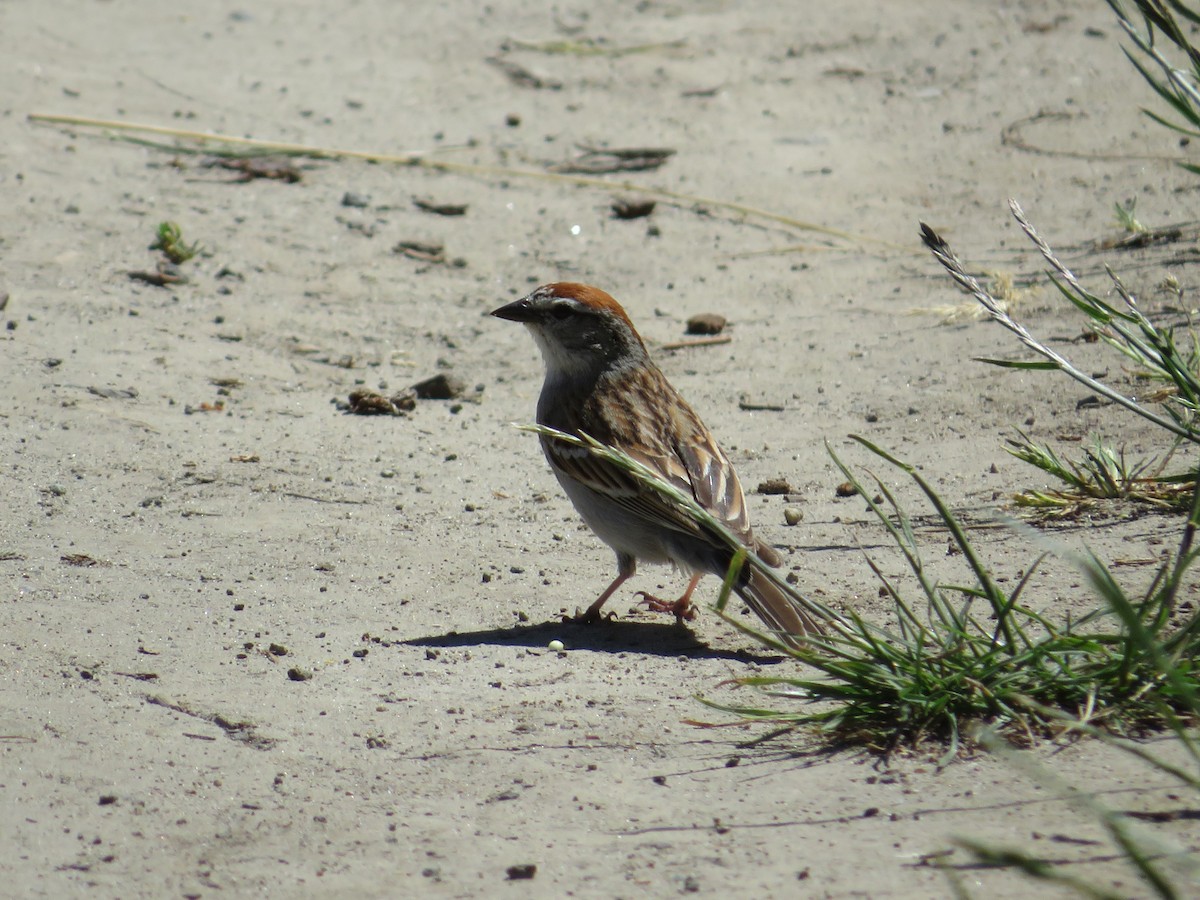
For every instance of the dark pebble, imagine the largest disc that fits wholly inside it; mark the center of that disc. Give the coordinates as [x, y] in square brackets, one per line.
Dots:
[775, 486]
[522, 872]
[439, 387]
[706, 323]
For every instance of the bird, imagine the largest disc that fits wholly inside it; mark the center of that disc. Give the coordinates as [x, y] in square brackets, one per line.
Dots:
[601, 382]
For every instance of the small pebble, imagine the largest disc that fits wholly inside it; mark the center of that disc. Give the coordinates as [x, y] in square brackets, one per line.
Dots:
[791, 515]
[522, 872]
[775, 486]
[633, 209]
[439, 387]
[556, 646]
[706, 323]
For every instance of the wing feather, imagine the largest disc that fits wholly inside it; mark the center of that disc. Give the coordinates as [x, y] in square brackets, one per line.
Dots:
[660, 430]
[622, 488]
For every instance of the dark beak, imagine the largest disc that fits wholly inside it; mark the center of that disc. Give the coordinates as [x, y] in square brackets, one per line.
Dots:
[517, 311]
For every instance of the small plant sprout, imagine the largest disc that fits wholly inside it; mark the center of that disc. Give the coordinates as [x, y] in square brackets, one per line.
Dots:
[169, 239]
[1127, 217]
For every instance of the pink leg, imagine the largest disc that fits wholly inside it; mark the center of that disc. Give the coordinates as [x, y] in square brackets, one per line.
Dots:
[626, 566]
[681, 609]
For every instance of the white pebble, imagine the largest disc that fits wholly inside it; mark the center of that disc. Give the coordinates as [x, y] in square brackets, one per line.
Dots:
[556, 646]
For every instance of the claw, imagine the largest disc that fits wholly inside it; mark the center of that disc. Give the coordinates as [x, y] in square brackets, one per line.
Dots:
[682, 609]
[589, 616]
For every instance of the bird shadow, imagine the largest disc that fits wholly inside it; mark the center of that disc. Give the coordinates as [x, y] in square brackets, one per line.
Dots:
[611, 636]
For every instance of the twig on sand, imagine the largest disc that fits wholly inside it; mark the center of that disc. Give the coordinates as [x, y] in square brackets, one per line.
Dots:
[697, 342]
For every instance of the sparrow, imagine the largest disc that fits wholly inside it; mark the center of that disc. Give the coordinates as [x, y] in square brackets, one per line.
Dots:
[600, 381]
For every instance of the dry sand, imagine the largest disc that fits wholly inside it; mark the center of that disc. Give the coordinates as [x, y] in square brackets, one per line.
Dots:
[161, 547]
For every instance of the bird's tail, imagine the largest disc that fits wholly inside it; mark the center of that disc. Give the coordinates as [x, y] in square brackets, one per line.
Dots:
[787, 619]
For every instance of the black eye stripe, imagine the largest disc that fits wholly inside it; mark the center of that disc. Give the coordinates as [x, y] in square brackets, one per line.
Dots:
[561, 311]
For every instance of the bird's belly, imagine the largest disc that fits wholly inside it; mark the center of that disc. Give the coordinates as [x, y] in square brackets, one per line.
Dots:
[624, 531]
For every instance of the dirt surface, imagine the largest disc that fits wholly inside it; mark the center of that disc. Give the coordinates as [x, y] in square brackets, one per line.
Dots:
[255, 644]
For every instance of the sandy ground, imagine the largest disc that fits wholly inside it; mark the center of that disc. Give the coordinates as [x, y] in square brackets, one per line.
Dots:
[189, 517]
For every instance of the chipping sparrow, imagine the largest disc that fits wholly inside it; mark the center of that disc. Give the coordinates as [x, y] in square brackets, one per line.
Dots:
[601, 381]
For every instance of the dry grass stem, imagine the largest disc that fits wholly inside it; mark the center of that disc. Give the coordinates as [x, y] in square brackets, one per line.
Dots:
[421, 159]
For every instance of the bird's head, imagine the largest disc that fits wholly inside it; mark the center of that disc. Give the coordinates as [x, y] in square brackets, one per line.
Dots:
[580, 329]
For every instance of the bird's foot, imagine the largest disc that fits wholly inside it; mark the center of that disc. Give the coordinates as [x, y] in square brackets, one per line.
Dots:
[682, 609]
[589, 616]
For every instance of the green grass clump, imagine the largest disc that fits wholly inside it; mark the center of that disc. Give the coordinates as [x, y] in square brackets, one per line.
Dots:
[1103, 473]
[965, 655]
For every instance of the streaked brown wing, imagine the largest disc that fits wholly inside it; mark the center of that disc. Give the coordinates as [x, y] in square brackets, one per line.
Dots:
[657, 427]
[713, 481]
[622, 488]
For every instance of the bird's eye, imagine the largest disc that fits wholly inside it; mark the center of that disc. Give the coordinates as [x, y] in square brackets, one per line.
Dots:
[561, 311]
